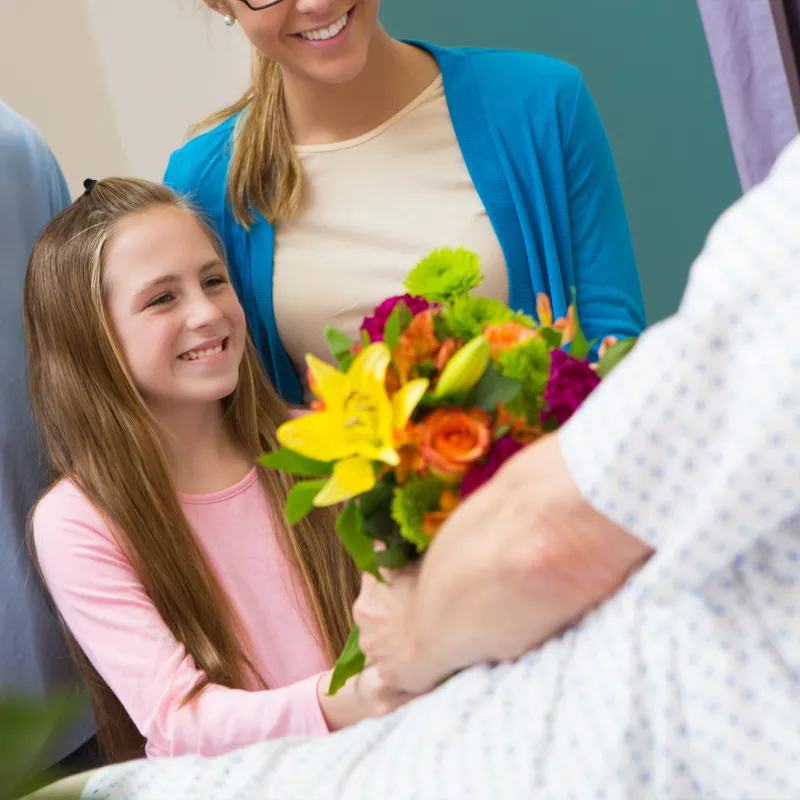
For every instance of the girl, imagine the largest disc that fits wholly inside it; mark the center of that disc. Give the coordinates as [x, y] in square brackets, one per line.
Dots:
[192, 603]
[353, 155]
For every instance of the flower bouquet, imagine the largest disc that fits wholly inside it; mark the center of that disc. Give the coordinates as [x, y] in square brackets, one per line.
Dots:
[443, 388]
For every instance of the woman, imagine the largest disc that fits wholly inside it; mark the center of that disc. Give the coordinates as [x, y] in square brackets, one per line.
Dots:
[353, 155]
[196, 608]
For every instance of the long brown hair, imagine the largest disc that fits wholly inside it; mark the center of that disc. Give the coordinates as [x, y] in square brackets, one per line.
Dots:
[98, 432]
[265, 173]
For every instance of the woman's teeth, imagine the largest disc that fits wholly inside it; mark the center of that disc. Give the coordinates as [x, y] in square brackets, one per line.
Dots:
[193, 355]
[326, 33]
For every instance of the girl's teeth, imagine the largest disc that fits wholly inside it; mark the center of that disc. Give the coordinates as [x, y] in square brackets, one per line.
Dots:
[327, 33]
[195, 354]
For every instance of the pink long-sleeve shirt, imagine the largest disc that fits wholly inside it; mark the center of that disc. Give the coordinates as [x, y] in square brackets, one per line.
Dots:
[111, 616]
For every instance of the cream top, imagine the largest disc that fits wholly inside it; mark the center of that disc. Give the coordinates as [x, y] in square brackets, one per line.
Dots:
[375, 206]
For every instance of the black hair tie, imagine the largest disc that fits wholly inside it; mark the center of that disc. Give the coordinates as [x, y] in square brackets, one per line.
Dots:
[89, 184]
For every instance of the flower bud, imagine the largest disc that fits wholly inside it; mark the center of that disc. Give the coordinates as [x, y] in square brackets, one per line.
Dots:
[464, 369]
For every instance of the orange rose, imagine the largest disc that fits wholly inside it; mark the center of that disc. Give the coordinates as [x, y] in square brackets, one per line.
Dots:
[452, 439]
[507, 335]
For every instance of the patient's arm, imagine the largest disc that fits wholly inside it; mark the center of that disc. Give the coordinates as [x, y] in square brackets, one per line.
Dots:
[65, 789]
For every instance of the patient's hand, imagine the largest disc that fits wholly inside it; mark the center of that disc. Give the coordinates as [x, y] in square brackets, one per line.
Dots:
[519, 560]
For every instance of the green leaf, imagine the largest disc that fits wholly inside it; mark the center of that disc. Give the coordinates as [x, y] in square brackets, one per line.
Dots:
[300, 501]
[349, 663]
[426, 369]
[614, 355]
[289, 461]
[501, 432]
[381, 526]
[441, 329]
[365, 340]
[430, 400]
[493, 388]
[28, 729]
[405, 316]
[552, 337]
[371, 501]
[391, 331]
[550, 425]
[353, 533]
[580, 347]
[392, 558]
[341, 346]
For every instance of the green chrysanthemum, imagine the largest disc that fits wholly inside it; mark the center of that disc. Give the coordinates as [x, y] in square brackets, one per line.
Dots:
[444, 275]
[528, 363]
[467, 316]
[409, 505]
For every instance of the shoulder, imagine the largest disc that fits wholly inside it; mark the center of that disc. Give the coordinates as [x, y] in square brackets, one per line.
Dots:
[19, 136]
[512, 75]
[522, 64]
[63, 517]
[199, 168]
[24, 153]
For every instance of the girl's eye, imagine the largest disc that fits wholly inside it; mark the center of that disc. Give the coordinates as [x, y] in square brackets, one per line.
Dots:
[161, 300]
[212, 283]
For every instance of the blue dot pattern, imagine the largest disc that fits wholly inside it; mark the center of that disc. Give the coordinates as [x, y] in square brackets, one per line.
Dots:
[683, 685]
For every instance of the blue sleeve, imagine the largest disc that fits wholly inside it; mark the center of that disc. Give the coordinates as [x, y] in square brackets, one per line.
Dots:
[609, 294]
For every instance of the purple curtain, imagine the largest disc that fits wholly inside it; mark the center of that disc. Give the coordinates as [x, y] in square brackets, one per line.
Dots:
[755, 60]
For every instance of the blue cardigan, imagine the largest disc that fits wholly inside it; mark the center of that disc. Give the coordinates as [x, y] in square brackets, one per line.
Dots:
[540, 161]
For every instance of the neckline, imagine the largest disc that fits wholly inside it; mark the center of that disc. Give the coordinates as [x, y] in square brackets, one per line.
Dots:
[425, 94]
[222, 494]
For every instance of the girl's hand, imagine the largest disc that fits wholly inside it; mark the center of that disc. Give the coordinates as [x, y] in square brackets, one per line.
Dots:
[364, 695]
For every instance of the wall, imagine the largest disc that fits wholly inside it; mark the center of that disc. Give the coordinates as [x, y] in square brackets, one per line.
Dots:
[113, 84]
[52, 74]
[647, 64]
[170, 63]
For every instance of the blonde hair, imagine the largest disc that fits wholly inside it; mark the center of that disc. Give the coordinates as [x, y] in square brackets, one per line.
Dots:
[111, 449]
[265, 174]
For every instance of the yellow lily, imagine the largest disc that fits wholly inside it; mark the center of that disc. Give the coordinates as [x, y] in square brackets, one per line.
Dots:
[357, 424]
[544, 310]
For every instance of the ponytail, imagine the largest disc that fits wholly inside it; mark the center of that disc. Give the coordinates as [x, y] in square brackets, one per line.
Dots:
[265, 174]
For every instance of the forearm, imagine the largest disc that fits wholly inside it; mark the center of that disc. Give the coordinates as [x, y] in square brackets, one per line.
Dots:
[220, 720]
[691, 443]
[66, 789]
[547, 557]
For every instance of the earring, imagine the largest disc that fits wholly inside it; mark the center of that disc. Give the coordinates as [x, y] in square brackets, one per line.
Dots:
[229, 20]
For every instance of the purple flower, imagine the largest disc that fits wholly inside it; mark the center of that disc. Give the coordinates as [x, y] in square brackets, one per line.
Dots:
[375, 324]
[571, 382]
[478, 474]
